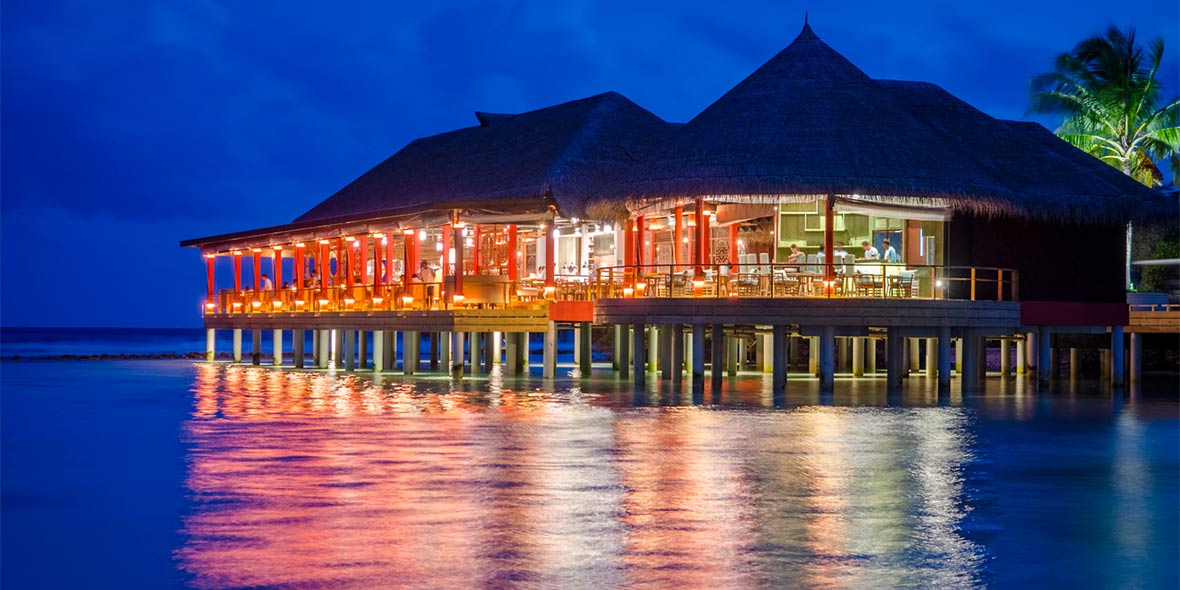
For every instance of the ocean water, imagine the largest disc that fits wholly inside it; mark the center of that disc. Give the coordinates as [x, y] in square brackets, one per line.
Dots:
[171, 473]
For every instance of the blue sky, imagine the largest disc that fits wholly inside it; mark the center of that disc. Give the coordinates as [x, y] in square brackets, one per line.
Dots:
[129, 126]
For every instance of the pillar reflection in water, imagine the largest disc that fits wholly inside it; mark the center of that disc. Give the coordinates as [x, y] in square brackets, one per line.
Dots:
[322, 480]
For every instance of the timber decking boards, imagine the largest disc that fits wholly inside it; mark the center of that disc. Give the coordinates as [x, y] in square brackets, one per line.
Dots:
[1154, 322]
[804, 311]
[455, 320]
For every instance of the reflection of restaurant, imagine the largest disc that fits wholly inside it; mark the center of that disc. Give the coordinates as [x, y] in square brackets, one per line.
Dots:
[810, 203]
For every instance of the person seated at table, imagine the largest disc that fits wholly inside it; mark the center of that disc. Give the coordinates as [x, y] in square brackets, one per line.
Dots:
[871, 252]
[891, 255]
[838, 253]
[796, 256]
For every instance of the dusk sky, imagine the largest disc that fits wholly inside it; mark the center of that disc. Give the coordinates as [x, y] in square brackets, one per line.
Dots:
[129, 126]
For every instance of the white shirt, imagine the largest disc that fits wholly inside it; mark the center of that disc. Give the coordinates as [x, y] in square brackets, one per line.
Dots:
[266, 284]
[891, 255]
[872, 253]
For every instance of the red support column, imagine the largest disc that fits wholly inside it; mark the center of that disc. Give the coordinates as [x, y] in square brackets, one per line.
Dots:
[341, 254]
[349, 253]
[513, 255]
[408, 257]
[377, 261]
[640, 238]
[699, 244]
[237, 270]
[299, 270]
[457, 295]
[678, 239]
[257, 269]
[363, 260]
[733, 247]
[323, 265]
[415, 242]
[475, 250]
[278, 264]
[446, 253]
[389, 258]
[629, 243]
[550, 263]
[829, 225]
[707, 242]
[209, 258]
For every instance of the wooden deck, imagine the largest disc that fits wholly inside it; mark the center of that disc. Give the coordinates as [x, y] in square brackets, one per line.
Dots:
[453, 320]
[805, 311]
[1154, 319]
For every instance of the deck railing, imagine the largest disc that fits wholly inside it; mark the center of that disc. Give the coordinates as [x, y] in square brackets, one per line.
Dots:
[852, 281]
[858, 280]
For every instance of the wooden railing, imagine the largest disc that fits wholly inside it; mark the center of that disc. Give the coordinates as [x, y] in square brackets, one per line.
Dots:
[853, 280]
[850, 280]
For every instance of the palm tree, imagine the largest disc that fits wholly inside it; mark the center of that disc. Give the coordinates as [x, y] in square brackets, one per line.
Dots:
[1107, 91]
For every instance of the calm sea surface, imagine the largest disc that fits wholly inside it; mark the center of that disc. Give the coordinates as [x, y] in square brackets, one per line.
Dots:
[155, 474]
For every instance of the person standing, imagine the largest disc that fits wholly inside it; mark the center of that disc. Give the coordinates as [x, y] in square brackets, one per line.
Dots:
[871, 253]
[266, 284]
[426, 275]
[890, 253]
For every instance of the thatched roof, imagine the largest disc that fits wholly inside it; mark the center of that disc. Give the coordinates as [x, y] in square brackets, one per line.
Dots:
[563, 153]
[808, 122]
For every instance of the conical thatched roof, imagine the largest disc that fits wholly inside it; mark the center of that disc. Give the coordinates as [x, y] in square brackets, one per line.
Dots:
[808, 122]
[563, 153]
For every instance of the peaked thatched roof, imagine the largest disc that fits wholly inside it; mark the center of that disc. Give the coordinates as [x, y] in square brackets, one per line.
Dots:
[563, 153]
[808, 122]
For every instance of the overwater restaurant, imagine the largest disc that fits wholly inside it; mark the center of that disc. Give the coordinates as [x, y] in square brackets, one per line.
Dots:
[811, 220]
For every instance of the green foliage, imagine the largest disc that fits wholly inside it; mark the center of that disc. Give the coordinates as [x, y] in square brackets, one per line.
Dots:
[1156, 278]
[1106, 89]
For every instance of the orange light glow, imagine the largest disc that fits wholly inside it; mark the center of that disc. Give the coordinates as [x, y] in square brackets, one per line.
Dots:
[408, 232]
[277, 248]
[640, 288]
[349, 239]
[407, 299]
[256, 250]
[256, 304]
[209, 306]
[628, 292]
[210, 256]
[325, 242]
[378, 300]
[300, 303]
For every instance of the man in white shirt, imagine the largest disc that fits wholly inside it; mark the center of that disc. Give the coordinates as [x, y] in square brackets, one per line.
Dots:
[890, 254]
[266, 284]
[871, 253]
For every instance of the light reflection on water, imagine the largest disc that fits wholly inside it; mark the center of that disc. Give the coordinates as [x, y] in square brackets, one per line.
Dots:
[315, 480]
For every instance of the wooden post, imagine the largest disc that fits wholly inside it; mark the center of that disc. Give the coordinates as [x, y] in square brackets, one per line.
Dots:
[300, 249]
[1116, 356]
[827, 359]
[550, 253]
[584, 338]
[1005, 357]
[549, 361]
[1136, 361]
[858, 357]
[256, 347]
[277, 348]
[698, 356]
[931, 358]
[706, 240]
[776, 358]
[678, 238]
[638, 375]
[944, 357]
[1044, 352]
[623, 350]
[676, 367]
[362, 249]
[640, 245]
[210, 344]
[298, 341]
[718, 361]
[340, 258]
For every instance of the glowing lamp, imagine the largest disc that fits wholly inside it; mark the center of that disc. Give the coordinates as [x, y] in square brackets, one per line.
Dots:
[378, 300]
[349, 301]
[210, 256]
[323, 302]
[237, 304]
[438, 246]
[256, 304]
[408, 232]
[458, 224]
[300, 303]
[628, 292]
[277, 248]
[209, 306]
[698, 287]
[325, 242]
[300, 245]
[377, 235]
[277, 304]
[549, 290]
[349, 239]
[938, 283]
[458, 298]
[407, 300]
[640, 288]
[421, 234]
[256, 250]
